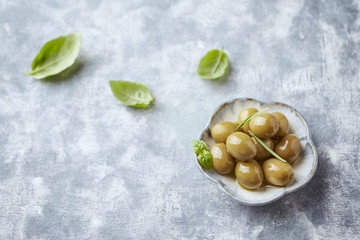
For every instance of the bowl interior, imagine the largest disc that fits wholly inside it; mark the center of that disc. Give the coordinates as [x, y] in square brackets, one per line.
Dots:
[304, 167]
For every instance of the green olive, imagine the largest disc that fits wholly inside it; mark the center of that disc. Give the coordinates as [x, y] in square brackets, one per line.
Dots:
[283, 124]
[222, 130]
[276, 141]
[289, 148]
[264, 125]
[261, 153]
[241, 146]
[277, 172]
[223, 162]
[243, 115]
[249, 174]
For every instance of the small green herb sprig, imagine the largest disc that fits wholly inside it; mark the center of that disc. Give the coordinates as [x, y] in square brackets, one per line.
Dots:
[246, 121]
[202, 153]
[266, 147]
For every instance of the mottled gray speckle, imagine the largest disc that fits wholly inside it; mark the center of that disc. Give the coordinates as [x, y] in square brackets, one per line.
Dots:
[77, 164]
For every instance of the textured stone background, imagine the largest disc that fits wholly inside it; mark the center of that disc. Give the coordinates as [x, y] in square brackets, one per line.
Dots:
[77, 164]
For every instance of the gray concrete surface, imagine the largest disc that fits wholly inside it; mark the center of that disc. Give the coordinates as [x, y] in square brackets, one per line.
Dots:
[77, 164]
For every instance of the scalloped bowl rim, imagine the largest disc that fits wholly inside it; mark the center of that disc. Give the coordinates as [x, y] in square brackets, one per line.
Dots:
[287, 190]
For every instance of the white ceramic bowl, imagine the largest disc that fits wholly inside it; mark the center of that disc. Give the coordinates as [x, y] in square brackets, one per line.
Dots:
[304, 167]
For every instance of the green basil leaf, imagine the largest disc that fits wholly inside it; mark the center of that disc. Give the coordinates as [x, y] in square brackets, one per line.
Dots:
[205, 159]
[133, 94]
[56, 56]
[198, 146]
[213, 65]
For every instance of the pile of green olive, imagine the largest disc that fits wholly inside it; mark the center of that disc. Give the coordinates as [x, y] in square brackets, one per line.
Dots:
[236, 151]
